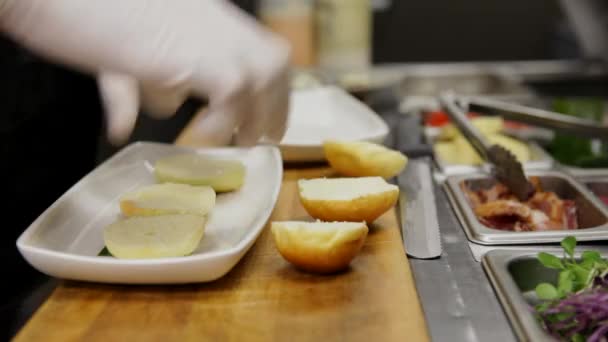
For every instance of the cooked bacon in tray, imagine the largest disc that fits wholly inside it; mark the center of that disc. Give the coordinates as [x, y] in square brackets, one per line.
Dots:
[498, 208]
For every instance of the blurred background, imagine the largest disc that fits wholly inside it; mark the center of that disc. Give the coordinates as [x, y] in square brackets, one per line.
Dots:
[337, 37]
[422, 31]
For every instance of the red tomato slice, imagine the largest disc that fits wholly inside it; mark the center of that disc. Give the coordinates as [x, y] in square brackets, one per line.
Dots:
[440, 118]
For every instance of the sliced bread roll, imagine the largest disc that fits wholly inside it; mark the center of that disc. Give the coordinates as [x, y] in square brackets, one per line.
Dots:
[319, 247]
[154, 236]
[168, 198]
[190, 168]
[347, 199]
[363, 159]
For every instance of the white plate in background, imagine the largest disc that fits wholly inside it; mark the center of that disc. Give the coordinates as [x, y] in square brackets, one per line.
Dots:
[66, 239]
[327, 112]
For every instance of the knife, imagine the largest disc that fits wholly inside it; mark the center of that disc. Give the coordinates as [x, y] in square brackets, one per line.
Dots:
[419, 224]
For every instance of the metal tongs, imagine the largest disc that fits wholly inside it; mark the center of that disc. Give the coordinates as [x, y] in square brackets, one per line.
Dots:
[507, 168]
[538, 117]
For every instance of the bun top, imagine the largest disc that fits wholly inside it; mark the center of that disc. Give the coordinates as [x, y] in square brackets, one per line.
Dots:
[343, 188]
[322, 235]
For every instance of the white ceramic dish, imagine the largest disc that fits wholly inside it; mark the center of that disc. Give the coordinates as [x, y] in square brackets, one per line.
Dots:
[327, 112]
[66, 239]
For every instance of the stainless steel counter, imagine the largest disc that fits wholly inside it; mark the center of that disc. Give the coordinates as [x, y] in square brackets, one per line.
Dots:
[457, 299]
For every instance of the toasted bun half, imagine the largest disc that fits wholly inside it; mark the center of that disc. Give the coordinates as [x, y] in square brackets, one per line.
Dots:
[347, 199]
[363, 159]
[154, 236]
[168, 198]
[190, 168]
[319, 247]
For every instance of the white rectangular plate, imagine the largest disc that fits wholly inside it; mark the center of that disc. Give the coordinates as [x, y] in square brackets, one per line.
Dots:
[66, 239]
[327, 112]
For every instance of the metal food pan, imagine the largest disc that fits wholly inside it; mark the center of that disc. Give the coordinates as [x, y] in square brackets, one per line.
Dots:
[581, 172]
[514, 276]
[600, 189]
[592, 214]
[539, 159]
[597, 184]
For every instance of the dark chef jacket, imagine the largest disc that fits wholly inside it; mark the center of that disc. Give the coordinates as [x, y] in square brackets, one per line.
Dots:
[50, 121]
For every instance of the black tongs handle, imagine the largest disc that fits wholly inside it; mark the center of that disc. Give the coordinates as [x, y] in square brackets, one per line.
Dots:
[459, 118]
[538, 117]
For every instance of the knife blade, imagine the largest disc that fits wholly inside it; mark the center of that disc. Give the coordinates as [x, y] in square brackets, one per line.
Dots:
[419, 224]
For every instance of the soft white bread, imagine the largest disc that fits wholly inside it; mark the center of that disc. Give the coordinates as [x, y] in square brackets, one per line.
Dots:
[221, 174]
[154, 236]
[363, 159]
[168, 198]
[347, 199]
[319, 247]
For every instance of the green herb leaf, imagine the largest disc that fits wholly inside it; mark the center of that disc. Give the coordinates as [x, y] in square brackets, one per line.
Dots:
[542, 307]
[602, 264]
[590, 277]
[565, 283]
[562, 316]
[546, 291]
[578, 338]
[588, 264]
[591, 256]
[581, 276]
[550, 260]
[568, 244]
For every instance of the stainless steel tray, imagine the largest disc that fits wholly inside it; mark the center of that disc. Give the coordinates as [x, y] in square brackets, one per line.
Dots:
[592, 214]
[539, 159]
[514, 276]
[579, 172]
[597, 184]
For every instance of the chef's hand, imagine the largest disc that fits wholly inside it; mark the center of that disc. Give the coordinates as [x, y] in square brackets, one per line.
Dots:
[157, 52]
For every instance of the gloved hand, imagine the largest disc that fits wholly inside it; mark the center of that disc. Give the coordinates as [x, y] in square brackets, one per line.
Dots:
[155, 53]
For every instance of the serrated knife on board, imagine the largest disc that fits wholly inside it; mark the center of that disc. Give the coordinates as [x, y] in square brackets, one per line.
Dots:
[419, 224]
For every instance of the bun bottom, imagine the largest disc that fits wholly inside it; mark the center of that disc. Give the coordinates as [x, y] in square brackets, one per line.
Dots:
[323, 251]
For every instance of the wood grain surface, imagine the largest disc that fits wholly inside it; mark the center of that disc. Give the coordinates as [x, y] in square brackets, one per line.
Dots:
[262, 299]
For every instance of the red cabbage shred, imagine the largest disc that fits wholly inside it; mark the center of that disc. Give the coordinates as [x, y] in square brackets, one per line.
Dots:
[584, 313]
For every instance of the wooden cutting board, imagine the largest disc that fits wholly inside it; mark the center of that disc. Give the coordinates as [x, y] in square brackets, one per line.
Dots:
[262, 299]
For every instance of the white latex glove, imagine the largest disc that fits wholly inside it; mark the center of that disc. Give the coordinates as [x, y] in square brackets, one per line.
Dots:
[157, 52]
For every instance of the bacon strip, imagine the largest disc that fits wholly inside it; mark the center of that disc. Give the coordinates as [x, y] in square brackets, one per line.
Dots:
[496, 207]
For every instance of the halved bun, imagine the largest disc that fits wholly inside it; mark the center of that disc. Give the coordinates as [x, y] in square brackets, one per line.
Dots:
[220, 174]
[320, 247]
[347, 199]
[168, 198]
[363, 159]
[154, 236]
